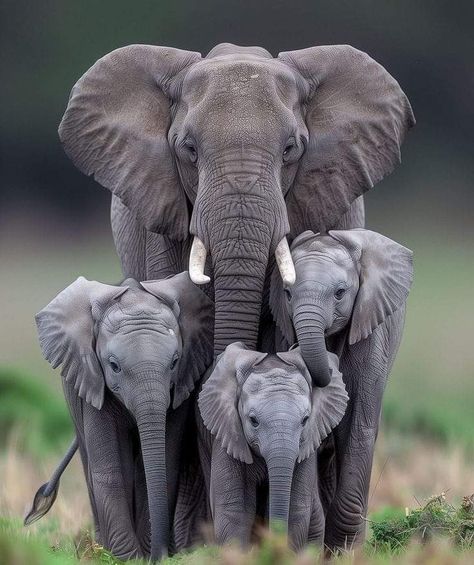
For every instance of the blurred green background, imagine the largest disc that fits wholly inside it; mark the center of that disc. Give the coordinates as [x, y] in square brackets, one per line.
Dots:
[54, 222]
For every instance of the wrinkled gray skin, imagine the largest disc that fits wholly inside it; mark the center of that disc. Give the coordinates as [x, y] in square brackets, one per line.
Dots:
[238, 148]
[350, 293]
[263, 420]
[130, 356]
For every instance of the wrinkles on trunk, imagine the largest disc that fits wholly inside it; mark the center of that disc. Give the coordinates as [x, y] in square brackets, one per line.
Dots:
[240, 216]
[150, 414]
[310, 324]
[280, 460]
[240, 241]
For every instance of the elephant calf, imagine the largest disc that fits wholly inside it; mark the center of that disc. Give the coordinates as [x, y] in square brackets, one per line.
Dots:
[264, 419]
[130, 357]
[349, 296]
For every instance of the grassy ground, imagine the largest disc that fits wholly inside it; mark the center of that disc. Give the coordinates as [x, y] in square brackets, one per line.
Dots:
[427, 444]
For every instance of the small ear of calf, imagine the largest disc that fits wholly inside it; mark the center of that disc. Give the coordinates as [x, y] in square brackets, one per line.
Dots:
[328, 408]
[66, 334]
[218, 399]
[386, 275]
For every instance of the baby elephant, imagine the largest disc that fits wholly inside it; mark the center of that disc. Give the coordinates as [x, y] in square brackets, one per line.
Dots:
[349, 297]
[266, 419]
[130, 357]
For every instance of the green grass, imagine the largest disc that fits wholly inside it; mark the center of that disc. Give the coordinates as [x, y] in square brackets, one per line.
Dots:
[431, 388]
[391, 533]
[392, 530]
[34, 412]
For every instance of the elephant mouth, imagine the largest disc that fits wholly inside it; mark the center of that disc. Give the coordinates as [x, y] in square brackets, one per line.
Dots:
[284, 261]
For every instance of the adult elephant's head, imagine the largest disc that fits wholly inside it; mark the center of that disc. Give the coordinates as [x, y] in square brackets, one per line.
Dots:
[213, 146]
[145, 343]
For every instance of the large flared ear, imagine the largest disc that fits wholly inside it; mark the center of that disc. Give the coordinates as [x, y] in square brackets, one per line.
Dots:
[67, 338]
[386, 275]
[115, 128]
[357, 116]
[328, 408]
[195, 314]
[219, 397]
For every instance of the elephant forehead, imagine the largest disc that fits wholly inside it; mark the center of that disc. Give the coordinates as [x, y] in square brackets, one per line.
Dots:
[275, 381]
[326, 248]
[135, 313]
[250, 78]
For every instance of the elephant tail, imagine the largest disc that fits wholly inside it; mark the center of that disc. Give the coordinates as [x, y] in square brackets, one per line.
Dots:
[46, 494]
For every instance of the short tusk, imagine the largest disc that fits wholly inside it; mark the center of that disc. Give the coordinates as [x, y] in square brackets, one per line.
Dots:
[285, 263]
[197, 261]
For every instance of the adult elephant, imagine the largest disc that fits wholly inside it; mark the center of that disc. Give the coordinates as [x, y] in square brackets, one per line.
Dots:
[238, 150]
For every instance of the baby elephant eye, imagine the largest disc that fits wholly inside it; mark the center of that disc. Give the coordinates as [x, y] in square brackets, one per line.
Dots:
[254, 421]
[114, 366]
[340, 293]
[304, 420]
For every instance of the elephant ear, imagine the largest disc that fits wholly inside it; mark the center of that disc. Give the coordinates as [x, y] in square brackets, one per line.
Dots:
[195, 314]
[328, 408]
[115, 128]
[357, 116]
[67, 337]
[386, 275]
[219, 397]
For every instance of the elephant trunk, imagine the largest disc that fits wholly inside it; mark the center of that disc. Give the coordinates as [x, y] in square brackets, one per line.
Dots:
[310, 324]
[239, 219]
[239, 275]
[151, 421]
[280, 462]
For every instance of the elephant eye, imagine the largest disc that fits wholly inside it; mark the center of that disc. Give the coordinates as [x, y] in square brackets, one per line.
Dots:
[114, 366]
[304, 420]
[174, 362]
[287, 294]
[288, 148]
[340, 293]
[254, 421]
[191, 151]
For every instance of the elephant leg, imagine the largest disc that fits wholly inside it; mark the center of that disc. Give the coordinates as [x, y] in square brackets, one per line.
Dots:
[110, 478]
[144, 255]
[327, 476]
[365, 367]
[232, 498]
[76, 409]
[303, 491]
[192, 508]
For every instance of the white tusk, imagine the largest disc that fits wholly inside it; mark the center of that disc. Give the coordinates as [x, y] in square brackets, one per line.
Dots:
[285, 263]
[197, 261]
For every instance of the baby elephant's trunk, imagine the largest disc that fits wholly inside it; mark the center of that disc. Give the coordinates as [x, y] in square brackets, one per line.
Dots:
[280, 459]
